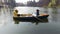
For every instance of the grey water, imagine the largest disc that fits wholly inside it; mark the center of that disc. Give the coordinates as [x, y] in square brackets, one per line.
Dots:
[9, 26]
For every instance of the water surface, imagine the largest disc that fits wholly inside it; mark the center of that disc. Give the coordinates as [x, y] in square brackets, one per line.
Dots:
[9, 26]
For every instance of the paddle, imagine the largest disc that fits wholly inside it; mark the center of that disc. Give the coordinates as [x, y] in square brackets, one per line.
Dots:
[37, 17]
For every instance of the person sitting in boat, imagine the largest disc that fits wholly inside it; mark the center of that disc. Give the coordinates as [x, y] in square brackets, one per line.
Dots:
[15, 13]
[37, 12]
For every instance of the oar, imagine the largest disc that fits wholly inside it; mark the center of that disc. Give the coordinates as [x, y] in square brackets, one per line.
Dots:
[38, 18]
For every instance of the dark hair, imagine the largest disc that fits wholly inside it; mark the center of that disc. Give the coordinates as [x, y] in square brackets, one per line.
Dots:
[37, 10]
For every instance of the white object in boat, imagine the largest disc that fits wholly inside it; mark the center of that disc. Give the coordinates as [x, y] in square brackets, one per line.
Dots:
[33, 14]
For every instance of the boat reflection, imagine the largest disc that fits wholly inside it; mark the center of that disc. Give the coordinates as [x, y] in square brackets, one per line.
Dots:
[32, 21]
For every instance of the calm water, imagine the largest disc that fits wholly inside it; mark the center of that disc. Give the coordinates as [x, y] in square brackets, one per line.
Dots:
[9, 26]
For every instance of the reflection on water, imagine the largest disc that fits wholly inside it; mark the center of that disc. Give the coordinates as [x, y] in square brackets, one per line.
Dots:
[10, 26]
[5, 16]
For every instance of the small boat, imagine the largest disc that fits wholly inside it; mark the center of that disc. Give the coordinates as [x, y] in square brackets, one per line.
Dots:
[29, 17]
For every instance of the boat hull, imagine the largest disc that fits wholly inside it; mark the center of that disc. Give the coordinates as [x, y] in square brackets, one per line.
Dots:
[33, 18]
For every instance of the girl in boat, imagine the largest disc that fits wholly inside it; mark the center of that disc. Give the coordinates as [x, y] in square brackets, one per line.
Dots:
[15, 13]
[37, 12]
